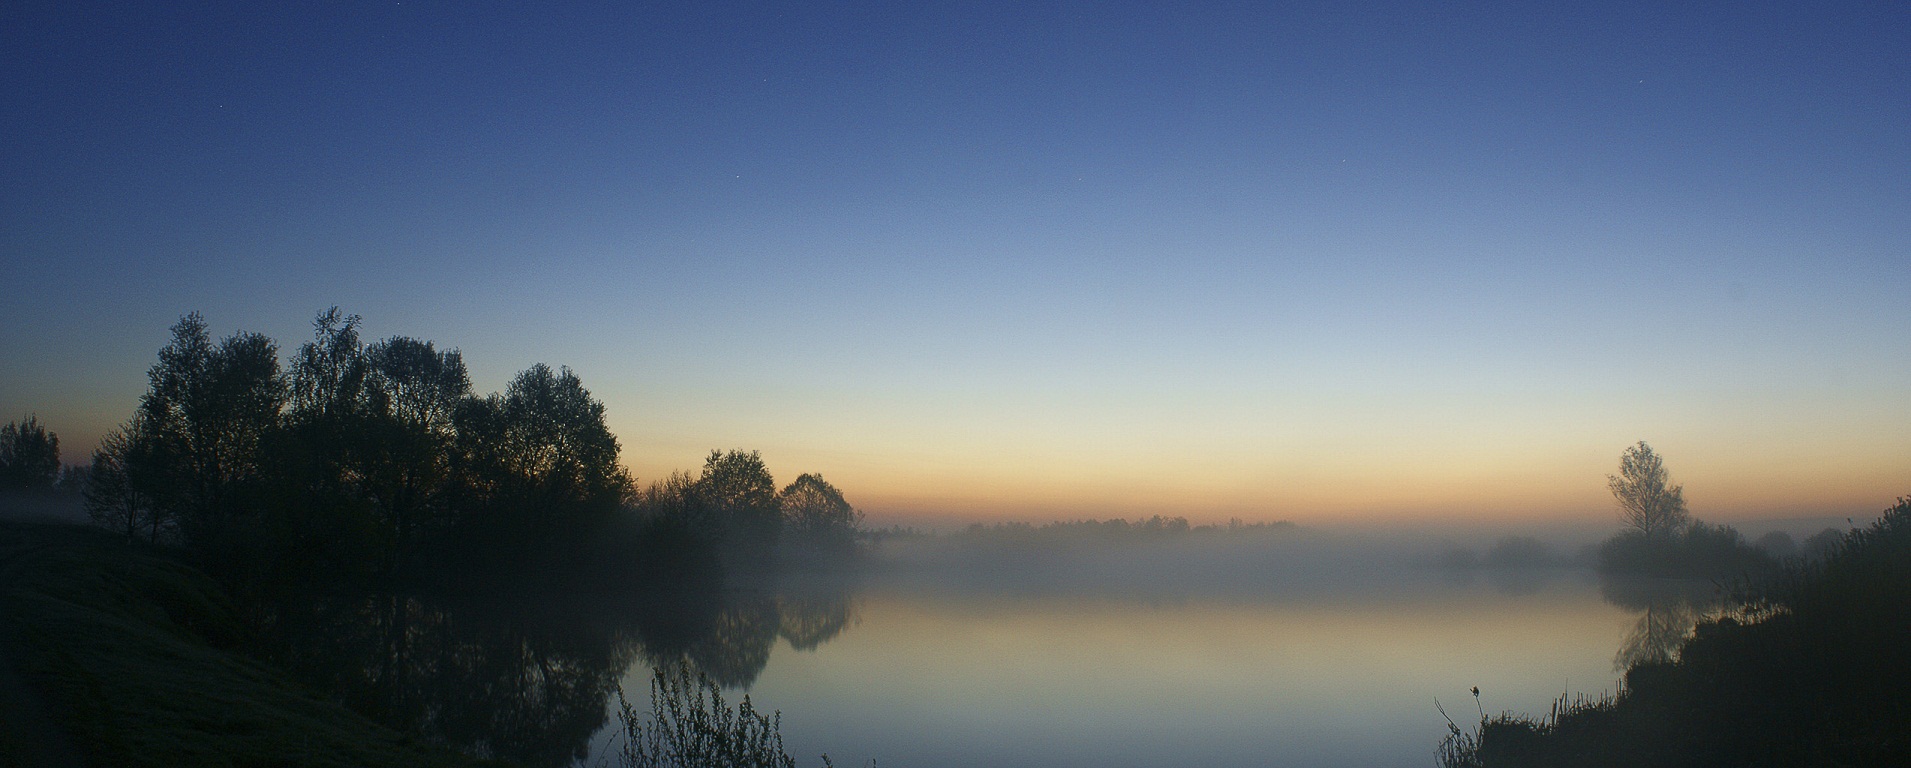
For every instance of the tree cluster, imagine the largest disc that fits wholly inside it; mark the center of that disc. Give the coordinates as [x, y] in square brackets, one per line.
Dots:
[734, 501]
[359, 455]
[364, 456]
[29, 456]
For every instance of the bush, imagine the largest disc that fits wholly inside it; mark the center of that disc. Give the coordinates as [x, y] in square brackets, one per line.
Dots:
[1696, 551]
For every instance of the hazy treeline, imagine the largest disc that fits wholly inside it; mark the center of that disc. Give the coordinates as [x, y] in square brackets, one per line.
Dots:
[1110, 531]
[1507, 552]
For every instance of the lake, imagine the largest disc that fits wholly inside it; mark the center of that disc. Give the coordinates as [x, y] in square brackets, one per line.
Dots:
[1217, 660]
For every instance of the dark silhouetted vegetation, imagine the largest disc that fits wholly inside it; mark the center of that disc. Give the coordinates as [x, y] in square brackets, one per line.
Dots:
[1808, 667]
[690, 726]
[1695, 551]
[1647, 505]
[816, 514]
[1661, 538]
[33, 484]
[366, 459]
[473, 571]
[29, 456]
[141, 660]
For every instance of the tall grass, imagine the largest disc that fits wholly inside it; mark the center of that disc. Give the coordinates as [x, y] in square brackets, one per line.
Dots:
[690, 726]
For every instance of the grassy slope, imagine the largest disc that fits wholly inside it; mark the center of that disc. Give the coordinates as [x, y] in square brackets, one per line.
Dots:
[131, 654]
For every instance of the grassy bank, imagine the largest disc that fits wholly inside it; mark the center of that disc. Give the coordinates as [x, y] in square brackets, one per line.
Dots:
[123, 656]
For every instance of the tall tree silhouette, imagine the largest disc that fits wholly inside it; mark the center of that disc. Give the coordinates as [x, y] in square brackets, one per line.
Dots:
[415, 391]
[210, 408]
[371, 428]
[1646, 504]
[739, 492]
[538, 460]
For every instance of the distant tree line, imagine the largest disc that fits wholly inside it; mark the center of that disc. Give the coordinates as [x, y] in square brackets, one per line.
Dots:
[29, 456]
[362, 457]
[1506, 552]
[33, 483]
[1113, 530]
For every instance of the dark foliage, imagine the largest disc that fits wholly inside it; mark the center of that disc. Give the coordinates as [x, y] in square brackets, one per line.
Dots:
[29, 456]
[1694, 551]
[476, 571]
[738, 494]
[1811, 670]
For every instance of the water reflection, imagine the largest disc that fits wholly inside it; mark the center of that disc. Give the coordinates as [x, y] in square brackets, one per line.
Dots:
[937, 677]
[811, 618]
[966, 677]
[1668, 611]
[738, 646]
[528, 679]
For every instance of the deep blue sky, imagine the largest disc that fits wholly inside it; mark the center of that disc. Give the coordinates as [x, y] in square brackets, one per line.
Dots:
[1023, 259]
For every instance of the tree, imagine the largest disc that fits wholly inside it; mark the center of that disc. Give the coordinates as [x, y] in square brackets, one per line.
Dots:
[328, 374]
[412, 394]
[210, 408]
[416, 383]
[121, 487]
[673, 500]
[737, 489]
[29, 455]
[815, 510]
[1646, 504]
[369, 432]
[556, 438]
[540, 455]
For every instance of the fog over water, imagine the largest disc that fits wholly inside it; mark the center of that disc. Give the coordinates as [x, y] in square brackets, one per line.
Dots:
[1018, 646]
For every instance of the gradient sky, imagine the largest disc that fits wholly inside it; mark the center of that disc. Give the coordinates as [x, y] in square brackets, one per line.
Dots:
[1329, 262]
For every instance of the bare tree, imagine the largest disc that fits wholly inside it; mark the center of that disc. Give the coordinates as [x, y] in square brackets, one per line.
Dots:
[119, 489]
[1646, 503]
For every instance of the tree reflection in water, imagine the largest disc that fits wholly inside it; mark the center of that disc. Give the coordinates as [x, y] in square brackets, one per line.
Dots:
[811, 618]
[529, 680]
[1669, 610]
[738, 646]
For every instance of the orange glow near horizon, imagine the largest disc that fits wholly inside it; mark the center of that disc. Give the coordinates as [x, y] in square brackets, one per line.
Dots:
[1313, 457]
[1546, 487]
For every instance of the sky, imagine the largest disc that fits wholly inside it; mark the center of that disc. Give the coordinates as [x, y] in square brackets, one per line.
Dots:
[1329, 262]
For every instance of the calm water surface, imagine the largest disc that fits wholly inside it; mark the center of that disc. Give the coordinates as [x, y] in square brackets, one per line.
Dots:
[928, 675]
